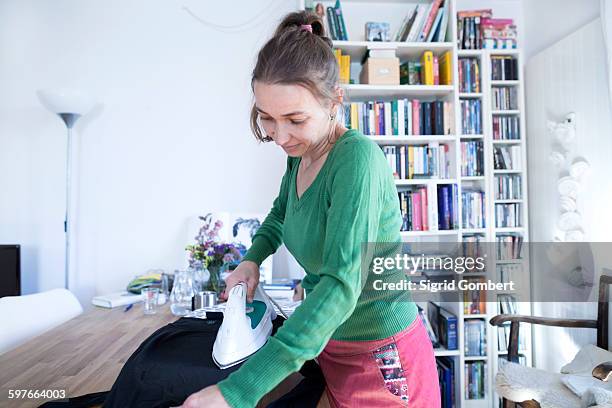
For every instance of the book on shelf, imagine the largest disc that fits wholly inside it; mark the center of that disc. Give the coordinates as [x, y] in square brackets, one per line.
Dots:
[334, 17]
[507, 157]
[469, 75]
[504, 97]
[508, 215]
[447, 207]
[401, 117]
[471, 116]
[428, 327]
[413, 206]
[475, 338]
[508, 246]
[509, 272]
[506, 128]
[473, 205]
[425, 23]
[507, 304]
[508, 187]
[344, 65]
[444, 324]
[472, 158]
[498, 33]
[473, 246]
[504, 68]
[475, 379]
[446, 378]
[474, 301]
[418, 162]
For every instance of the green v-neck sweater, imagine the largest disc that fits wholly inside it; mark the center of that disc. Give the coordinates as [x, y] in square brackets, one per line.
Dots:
[351, 202]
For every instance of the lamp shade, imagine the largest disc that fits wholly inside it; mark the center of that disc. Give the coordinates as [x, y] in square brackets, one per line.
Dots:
[61, 101]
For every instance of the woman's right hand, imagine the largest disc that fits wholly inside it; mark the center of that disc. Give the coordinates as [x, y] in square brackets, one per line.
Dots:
[247, 272]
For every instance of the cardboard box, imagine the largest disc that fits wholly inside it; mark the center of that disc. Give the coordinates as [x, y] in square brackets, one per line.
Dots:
[380, 71]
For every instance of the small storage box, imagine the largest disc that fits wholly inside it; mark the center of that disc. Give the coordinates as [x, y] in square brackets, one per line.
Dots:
[380, 71]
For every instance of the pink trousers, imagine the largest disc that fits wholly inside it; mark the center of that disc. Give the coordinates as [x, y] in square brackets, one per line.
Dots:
[399, 371]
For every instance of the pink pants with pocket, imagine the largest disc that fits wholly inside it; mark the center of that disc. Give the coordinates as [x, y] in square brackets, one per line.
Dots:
[399, 371]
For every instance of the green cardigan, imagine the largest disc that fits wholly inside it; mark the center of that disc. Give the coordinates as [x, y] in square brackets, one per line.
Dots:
[352, 201]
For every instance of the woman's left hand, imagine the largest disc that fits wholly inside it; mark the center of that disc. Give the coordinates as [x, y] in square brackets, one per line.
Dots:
[209, 397]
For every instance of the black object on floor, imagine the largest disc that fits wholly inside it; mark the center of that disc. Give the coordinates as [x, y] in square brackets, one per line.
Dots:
[175, 362]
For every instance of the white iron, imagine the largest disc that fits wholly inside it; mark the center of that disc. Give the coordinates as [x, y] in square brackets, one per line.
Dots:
[243, 331]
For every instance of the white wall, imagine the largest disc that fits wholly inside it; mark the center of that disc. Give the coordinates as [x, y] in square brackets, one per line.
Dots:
[170, 139]
[568, 77]
[547, 21]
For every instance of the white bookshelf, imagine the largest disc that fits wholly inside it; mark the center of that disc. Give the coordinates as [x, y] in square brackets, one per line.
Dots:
[356, 13]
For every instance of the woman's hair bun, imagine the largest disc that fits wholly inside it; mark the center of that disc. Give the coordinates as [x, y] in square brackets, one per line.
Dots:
[294, 21]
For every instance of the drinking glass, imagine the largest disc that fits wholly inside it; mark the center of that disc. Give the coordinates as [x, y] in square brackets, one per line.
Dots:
[150, 300]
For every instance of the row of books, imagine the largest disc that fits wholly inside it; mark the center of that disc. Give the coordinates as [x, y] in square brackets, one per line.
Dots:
[336, 27]
[430, 70]
[410, 162]
[503, 337]
[505, 97]
[472, 159]
[508, 187]
[425, 23]
[400, 117]
[474, 301]
[506, 128]
[477, 29]
[469, 75]
[508, 246]
[471, 117]
[475, 338]
[473, 245]
[413, 205]
[509, 272]
[444, 325]
[508, 215]
[507, 304]
[473, 204]
[504, 68]
[475, 377]
[507, 158]
[469, 31]
[447, 207]
[446, 378]
[344, 63]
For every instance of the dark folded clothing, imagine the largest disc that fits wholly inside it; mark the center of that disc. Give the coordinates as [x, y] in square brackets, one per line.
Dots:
[175, 362]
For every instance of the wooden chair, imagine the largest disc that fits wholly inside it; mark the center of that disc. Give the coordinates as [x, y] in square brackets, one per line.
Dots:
[601, 324]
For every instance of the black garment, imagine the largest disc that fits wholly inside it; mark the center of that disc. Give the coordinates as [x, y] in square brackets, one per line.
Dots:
[175, 362]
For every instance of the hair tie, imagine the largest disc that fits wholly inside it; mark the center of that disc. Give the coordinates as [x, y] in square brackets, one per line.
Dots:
[306, 27]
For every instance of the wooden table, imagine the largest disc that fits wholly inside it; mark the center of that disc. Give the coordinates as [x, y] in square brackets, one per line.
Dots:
[81, 356]
[86, 354]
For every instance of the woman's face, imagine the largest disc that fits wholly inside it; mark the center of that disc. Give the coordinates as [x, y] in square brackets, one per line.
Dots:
[291, 116]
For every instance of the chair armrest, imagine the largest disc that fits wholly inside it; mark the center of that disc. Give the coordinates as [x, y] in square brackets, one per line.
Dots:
[603, 371]
[499, 320]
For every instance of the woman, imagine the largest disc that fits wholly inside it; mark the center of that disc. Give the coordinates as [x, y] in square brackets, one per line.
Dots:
[337, 194]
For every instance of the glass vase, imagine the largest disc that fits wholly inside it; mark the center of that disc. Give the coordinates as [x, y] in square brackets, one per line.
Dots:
[182, 292]
[215, 282]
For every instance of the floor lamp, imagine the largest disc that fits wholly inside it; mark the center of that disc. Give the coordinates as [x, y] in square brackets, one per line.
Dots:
[69, 105]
